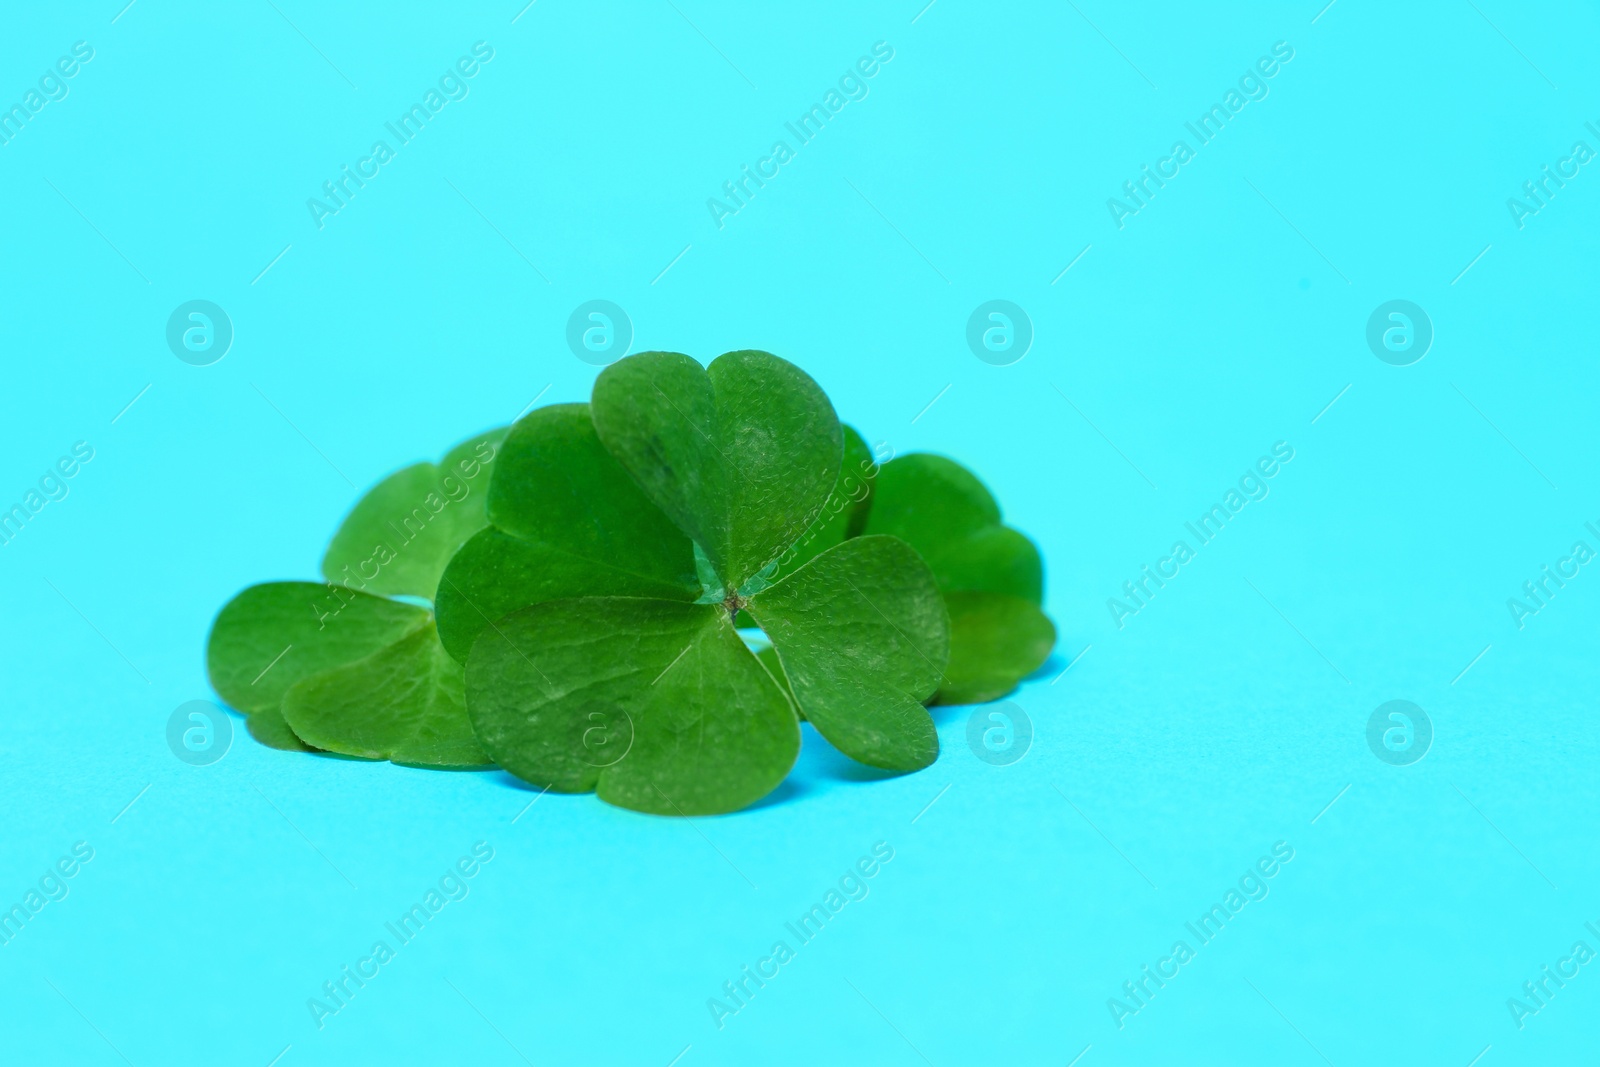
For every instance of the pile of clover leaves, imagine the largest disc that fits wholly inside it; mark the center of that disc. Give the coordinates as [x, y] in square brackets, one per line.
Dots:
[593, 612]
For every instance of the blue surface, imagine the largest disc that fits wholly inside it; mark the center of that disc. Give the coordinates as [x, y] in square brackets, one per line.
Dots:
[1222, 317]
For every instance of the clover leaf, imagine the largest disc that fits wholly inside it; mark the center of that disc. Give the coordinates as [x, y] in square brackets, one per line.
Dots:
[657, 705]
[565, 520]
[589, 568]
[863, 637]
[844, 515]
[335, 667]
[859, 631]
[269, 728]
[273, 635]
[995, 641]
[990, 574]
[323, 666]
[745, 456]
[742, 455]
[402, 703]
[408, 526]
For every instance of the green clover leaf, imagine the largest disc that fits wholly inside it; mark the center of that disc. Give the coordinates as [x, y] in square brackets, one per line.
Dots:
[566, 521]
[409, 525]
[656, 705]
[273, 635]
[990, 574]
[402, 703]
[741, 455]
[995, 641]
[845, 513]
[842, 517]
[863, 637]
[323, 666]
[587, 569]
[859, 630]
[335, 667]
[269, 728]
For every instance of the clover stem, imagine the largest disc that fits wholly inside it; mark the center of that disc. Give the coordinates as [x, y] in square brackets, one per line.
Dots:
[733, 603]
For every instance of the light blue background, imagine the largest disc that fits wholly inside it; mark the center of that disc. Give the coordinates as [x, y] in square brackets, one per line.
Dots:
[1223, 318]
